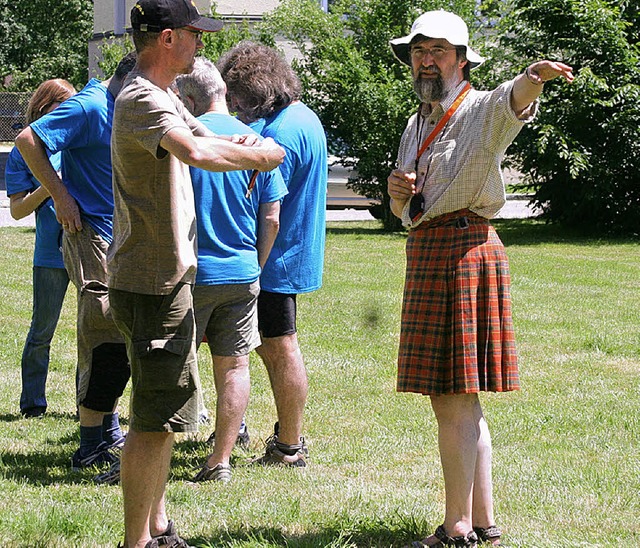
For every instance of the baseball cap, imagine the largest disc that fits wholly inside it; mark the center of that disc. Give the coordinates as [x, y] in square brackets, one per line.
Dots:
[437, 24]
[157, 15]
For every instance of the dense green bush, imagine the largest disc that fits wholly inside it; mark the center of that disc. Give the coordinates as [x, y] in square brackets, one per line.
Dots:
[581, 157]
[351, 79]
[42, 39]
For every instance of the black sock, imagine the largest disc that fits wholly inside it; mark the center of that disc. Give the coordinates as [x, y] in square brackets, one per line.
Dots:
[111, 432]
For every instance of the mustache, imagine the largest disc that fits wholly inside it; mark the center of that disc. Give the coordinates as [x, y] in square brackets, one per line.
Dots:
[429, 71]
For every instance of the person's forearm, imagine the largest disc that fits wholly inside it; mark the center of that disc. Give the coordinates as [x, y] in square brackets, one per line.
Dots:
[35, 155]
[215, 154]
[528, 86]
[24, 204]
[268, 228]
[524, 92]
[397, 207]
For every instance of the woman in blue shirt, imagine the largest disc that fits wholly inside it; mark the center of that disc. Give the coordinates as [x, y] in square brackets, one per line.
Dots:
[50, 279]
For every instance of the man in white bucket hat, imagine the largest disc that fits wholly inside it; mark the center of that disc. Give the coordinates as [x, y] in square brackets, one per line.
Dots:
[456, 335]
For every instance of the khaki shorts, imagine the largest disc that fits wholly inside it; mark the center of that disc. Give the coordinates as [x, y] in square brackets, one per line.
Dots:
[227, 314]
[160, 334]
[85, 258]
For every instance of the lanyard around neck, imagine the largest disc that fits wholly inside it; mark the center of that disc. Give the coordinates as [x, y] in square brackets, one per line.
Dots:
[443, 121]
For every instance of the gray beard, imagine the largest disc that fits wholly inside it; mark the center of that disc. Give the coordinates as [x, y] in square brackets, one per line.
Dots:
[429, 90]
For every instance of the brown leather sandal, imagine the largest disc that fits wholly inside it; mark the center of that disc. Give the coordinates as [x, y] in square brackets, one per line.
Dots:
[470, 540]
[491, 535]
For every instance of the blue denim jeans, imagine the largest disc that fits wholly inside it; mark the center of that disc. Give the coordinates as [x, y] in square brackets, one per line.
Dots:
[49, 289]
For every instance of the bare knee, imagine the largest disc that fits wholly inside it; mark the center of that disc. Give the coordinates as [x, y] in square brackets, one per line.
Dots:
[456, 408]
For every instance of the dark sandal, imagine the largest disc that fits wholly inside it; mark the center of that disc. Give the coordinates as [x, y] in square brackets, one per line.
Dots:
[491, 535]
[169, 538]
[468, 541]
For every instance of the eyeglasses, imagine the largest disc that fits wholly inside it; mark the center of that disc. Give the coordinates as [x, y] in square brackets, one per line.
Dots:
[437, 52]
[197, 33]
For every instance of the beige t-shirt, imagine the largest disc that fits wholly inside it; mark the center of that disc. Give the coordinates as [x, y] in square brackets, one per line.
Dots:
[154, 222]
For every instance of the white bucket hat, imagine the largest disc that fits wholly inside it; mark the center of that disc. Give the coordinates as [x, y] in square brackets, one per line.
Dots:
[437, 24]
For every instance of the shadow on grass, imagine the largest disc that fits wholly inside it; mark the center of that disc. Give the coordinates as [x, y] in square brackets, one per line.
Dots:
[12, 417]
[43, 468]
[342, 531]
[511, 231]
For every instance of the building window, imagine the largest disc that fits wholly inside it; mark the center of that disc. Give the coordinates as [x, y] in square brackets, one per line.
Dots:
[324, 4]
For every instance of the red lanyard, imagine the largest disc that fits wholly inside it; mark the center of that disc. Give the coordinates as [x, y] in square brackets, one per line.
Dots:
[443, 121]
[252, 183]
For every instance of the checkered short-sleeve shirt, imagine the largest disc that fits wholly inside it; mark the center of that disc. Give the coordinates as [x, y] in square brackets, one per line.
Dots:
[461, 167]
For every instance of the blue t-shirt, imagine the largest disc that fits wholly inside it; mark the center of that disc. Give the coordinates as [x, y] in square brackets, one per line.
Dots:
[297, 258]
[226, 218]
[80, 128]
[48, 230]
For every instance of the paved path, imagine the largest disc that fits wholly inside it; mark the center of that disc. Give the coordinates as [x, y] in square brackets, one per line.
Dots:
[513, 209]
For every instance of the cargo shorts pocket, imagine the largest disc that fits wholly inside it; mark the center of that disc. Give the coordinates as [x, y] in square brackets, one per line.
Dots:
[163, 364]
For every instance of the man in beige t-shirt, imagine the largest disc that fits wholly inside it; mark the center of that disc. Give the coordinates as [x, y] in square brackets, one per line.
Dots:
[152, 260]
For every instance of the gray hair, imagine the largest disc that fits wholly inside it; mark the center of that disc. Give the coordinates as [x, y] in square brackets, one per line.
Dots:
[202, 86]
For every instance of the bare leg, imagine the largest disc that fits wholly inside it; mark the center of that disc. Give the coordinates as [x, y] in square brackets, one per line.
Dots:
[231, 374]
[483, 485]
[288, 376]
[144, 469]
[89, 417]
[458, 438]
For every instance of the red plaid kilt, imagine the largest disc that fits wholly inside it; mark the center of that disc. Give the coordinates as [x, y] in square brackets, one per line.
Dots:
[456, 332]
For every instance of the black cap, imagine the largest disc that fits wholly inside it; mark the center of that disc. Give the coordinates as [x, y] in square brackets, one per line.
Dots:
[157, 15]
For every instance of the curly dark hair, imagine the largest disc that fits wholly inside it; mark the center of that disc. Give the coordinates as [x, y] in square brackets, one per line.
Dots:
[259, 80]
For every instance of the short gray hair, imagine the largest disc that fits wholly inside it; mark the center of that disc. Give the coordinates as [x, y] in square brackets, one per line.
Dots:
[203, 85]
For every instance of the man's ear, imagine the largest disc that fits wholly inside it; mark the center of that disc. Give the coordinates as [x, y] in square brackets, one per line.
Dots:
[167, 37]
[462, 63]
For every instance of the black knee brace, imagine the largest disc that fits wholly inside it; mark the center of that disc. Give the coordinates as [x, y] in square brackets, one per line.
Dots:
[110, 372]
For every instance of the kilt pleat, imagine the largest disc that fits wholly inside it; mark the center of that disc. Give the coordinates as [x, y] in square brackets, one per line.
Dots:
[457, 332]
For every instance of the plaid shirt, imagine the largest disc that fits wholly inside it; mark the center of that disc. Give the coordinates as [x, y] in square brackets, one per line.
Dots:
[461, 167]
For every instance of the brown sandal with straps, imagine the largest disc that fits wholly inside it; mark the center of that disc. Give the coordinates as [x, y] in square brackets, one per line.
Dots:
[491, 535]
[468, 541]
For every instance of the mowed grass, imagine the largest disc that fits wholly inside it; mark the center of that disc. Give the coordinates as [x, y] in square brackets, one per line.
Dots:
[566, 447]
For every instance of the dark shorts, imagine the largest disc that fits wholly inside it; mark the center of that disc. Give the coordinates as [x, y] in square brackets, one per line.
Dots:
[160, 334]
[276, 314]
[456, 330]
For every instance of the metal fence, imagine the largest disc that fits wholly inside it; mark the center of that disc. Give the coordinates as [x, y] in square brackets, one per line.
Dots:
[13, 109]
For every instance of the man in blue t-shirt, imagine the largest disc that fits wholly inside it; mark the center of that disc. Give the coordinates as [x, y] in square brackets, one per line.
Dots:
[296, 260]
[80, 130]
[237, 220]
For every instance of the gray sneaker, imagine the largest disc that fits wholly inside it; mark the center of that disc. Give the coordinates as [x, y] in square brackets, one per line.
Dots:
[220, 472]
[242, 441]
[111, 476]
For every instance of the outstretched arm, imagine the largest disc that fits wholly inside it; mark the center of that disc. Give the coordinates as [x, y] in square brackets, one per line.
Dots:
[528, 86]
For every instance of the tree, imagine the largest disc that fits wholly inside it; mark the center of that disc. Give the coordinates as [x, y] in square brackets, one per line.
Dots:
[362, 94]
[42, 39]
[581, 155]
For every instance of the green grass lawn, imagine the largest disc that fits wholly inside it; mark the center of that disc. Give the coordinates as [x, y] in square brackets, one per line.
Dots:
[566, 447]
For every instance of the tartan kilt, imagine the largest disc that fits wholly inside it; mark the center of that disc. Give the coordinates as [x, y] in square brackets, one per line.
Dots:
[456, 330]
